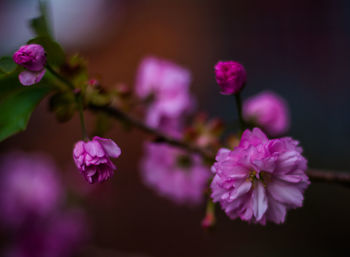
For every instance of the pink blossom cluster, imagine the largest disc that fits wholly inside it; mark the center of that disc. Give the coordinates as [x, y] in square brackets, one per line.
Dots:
[167, 86]
[173, 173]
[260, 179]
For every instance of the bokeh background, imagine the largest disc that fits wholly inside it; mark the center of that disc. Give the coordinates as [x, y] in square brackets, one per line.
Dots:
[298, 48]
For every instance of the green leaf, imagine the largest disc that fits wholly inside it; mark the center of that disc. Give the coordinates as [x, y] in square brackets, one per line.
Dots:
[17, 103]
[7, 64]
[55, 53]
[40, 25]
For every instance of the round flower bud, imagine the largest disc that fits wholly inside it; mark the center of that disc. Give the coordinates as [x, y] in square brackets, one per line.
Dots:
[230, 76]
[92, 158]
[32, 57]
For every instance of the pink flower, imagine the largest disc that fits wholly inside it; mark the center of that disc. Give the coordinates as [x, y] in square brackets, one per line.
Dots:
[260, 179]
[269, 111]
[32, 58]
[174, 174]
[92, 158]
[61, 235]
[29, 188]
[168, 86]
[231, 77]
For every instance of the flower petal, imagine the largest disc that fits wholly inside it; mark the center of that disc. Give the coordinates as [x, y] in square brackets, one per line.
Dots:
[259, 200]
[286, 193]
[28, 78]
[110, 147]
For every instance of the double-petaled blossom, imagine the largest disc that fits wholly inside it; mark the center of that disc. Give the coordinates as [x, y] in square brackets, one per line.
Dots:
[174, 174]
[260, 179]
[32, 57]
[29, 188]
[230, 76]
[269, 111]
[92, 158]
[167, 87]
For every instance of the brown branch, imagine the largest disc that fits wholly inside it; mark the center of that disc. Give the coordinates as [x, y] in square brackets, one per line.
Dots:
[315, 175]
[328, 176]
[160, 136]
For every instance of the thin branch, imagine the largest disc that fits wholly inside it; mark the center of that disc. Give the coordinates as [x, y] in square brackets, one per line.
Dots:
[328, 176]
[315, 175]
[160, 136]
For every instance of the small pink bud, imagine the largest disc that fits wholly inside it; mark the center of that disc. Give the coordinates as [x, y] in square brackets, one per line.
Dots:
[93, 82]
[231, 77]
[92, 158]
[32, 57]
[208, 221]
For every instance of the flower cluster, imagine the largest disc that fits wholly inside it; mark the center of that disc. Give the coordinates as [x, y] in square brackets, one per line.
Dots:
[260, 179]
[167, 87]
[173, 173]
[32, 57]
[257, 181]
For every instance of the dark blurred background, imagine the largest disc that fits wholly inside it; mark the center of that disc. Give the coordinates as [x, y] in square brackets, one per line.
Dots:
[299, 49]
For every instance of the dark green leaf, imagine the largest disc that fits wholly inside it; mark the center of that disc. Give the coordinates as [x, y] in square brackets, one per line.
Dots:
[40, 25]
[17, 103]
[55, 53]
[7, 64]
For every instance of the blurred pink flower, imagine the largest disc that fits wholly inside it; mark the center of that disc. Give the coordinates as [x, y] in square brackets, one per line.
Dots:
[167, 85]
[269, 111]
[32, 58]
[260, 179]
[29, 187]
[174, 174]
[92, 158]
[62, 235]
[230, 76]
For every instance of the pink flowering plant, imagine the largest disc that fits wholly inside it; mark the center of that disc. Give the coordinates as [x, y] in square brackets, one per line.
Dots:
[250, 173]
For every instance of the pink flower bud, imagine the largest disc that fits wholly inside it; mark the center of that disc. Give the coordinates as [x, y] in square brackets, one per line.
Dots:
[92, 158]
[208, 221]
[231, 77]
[32, 57]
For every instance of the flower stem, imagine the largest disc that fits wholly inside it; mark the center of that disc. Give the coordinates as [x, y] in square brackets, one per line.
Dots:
[81, 116]
[239, 109]
[61, 78]
[78, 97]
